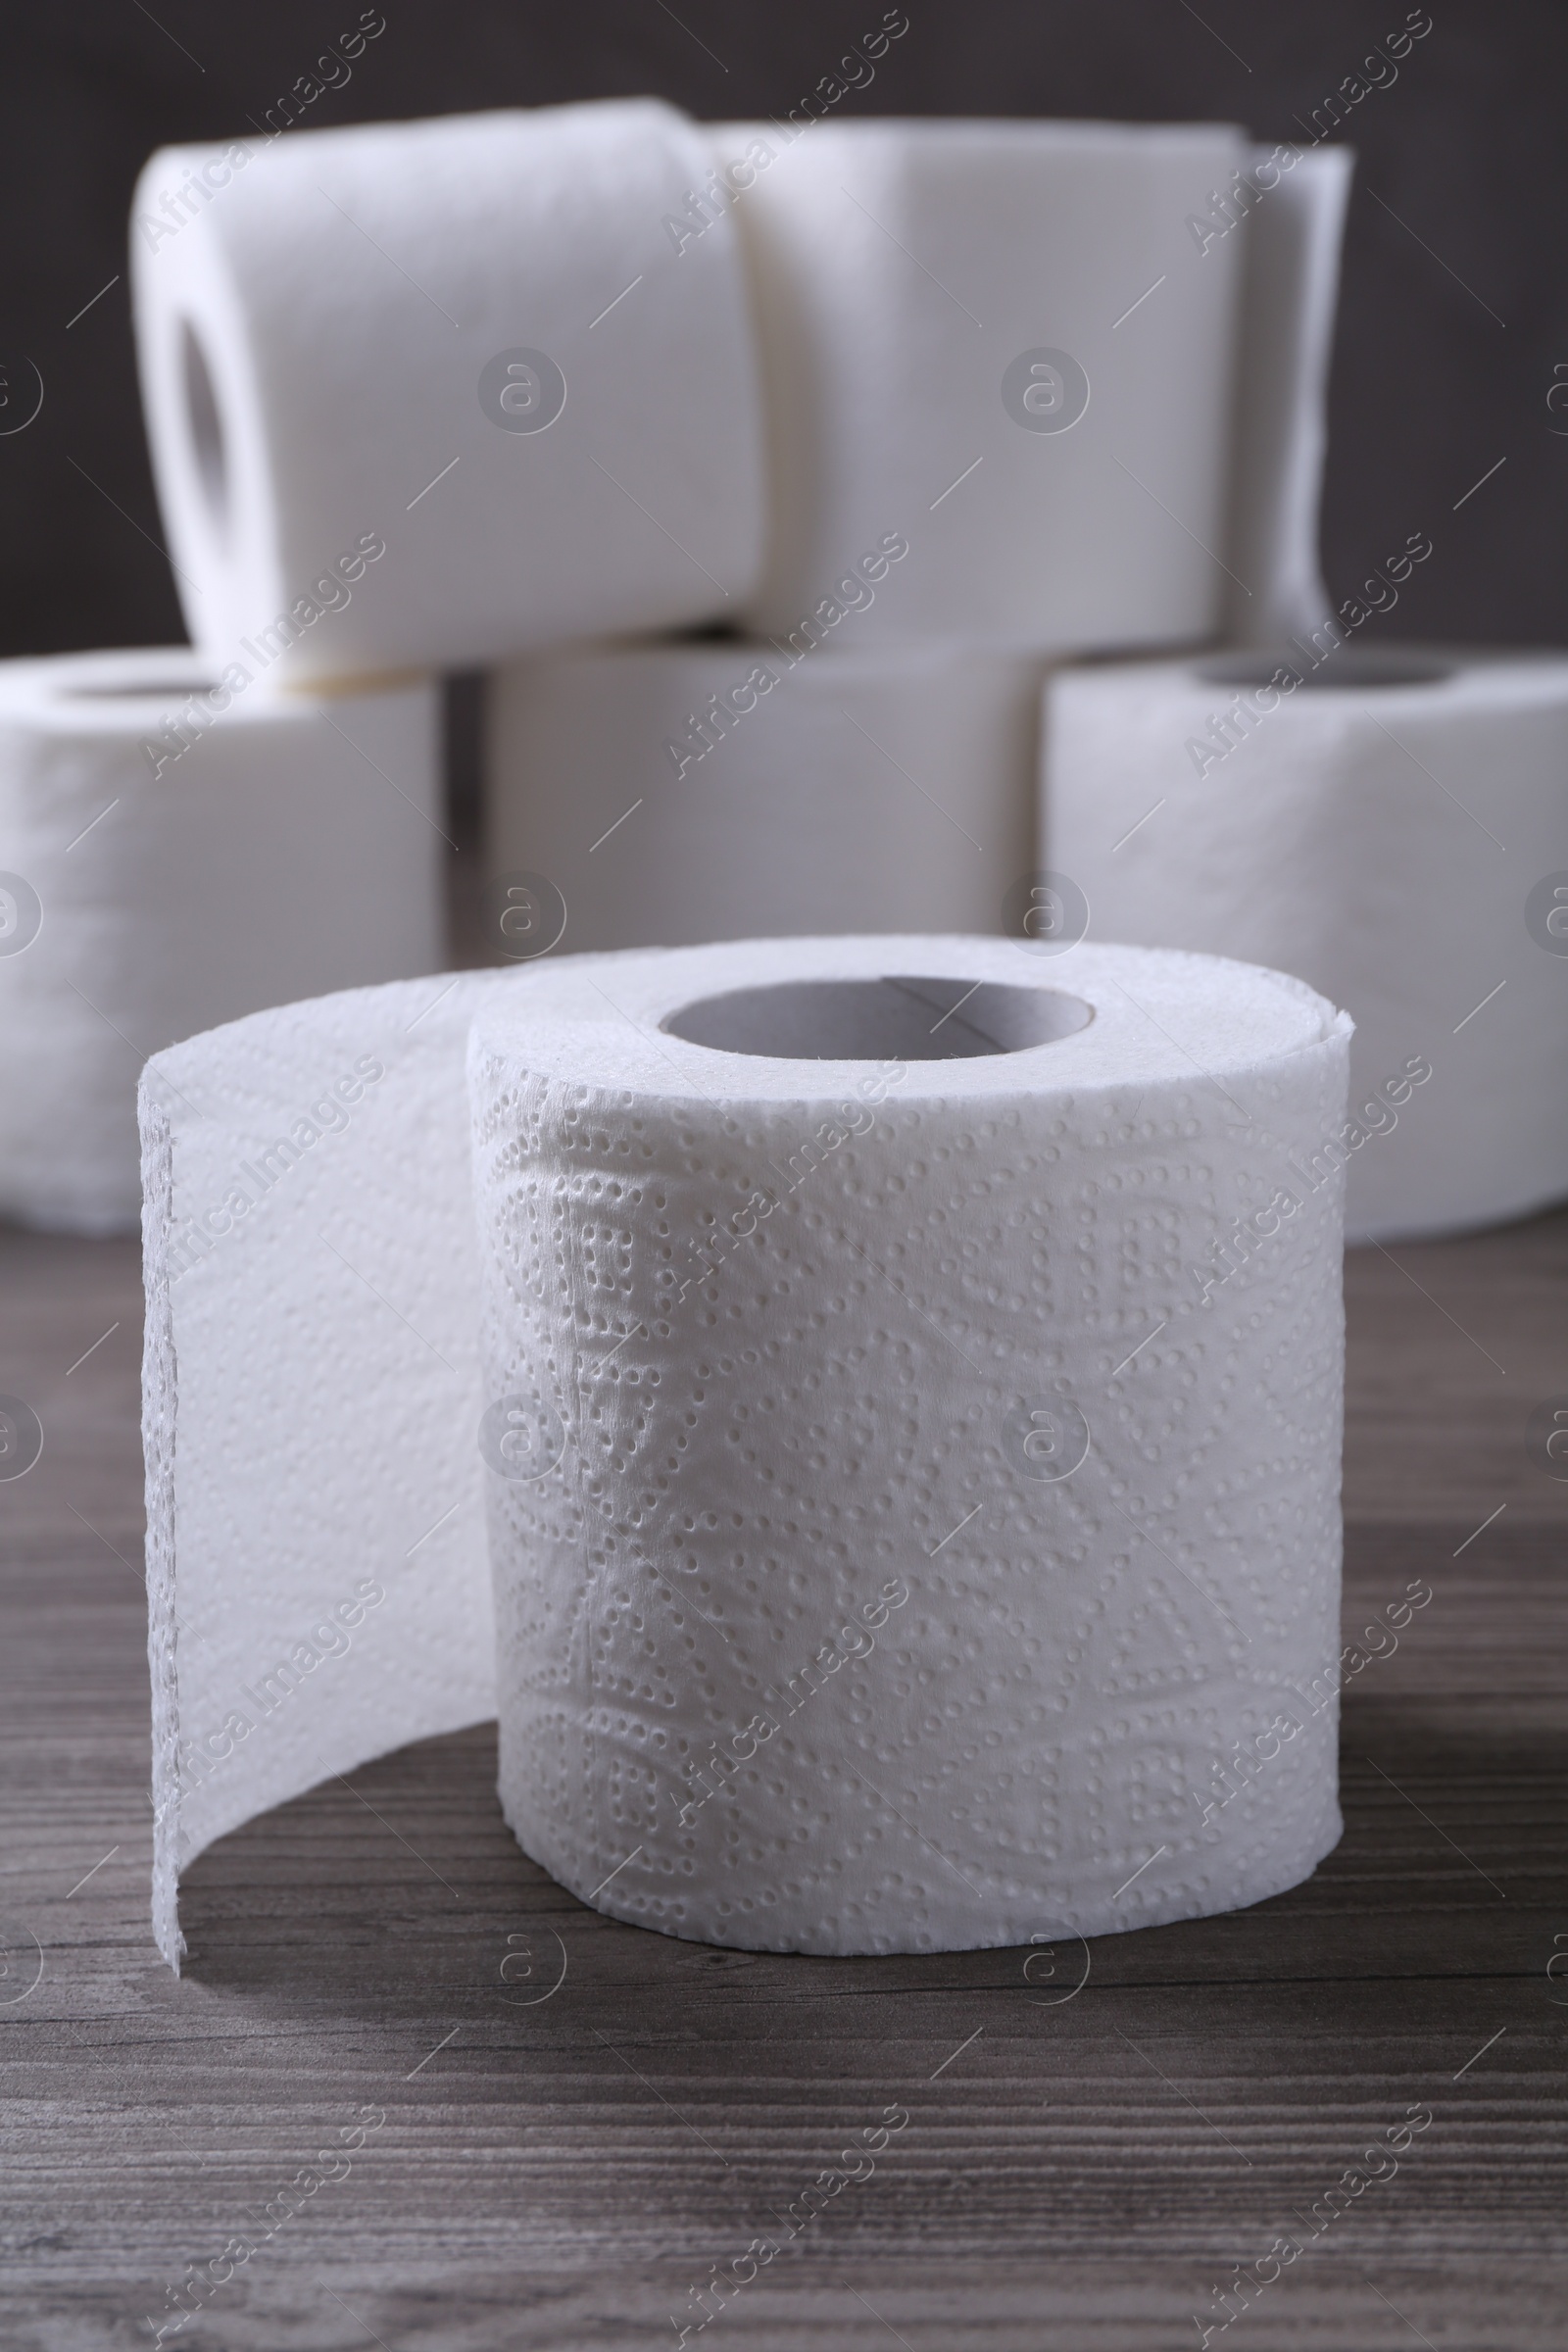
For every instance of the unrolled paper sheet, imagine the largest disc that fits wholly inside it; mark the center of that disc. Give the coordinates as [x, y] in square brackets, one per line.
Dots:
[1290, 294]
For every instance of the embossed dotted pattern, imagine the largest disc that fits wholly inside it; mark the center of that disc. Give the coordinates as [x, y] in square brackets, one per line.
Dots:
[796, 1651]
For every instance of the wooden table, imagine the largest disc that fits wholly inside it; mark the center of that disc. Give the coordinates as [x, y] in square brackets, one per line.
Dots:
[564, 2171]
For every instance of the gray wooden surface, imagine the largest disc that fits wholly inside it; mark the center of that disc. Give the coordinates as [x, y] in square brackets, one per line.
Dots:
[565, 2171]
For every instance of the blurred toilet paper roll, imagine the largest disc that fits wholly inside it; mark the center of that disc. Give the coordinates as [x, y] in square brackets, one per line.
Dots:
[181, 846]
[1295, 226]
[669, 794]
[893, 1545]
[1394, 827]
[430, 393]
[1002, 340]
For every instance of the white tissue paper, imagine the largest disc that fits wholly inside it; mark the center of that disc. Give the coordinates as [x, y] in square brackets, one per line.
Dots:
[902, 1534]
[431, 393]
[1004, 341]
[181, 846]
[1294, 231]
[734, 786]
[317, 1572]
[1394, 829]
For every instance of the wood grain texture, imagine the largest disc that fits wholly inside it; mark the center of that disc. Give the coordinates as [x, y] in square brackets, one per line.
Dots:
[564, 2171]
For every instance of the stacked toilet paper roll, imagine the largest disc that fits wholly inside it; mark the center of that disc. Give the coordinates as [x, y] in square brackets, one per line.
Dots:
[899, 1539]
[1392, 828]
[182, 845]
[668, 795]
[466, 352]
[1002, 340]
[671, 794]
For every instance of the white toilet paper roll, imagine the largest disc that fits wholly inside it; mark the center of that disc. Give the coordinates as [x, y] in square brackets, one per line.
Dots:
[430, 393]
[881, 1362]
[181, 844]
[1001, 340]
[734, 786]
[1295, 226]
[1393, 828]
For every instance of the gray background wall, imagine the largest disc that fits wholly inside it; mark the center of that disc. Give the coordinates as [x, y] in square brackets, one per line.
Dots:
[1456, 303]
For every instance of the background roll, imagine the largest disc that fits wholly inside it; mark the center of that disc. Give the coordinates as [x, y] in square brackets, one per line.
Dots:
[178, 850]
[791, 1354]
[909, 275]
[1392, 829]
[728, 788]
[348, 472]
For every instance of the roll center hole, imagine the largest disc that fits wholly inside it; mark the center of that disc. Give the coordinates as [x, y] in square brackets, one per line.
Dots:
[899, 1018]
[206, 425]
[160, 690]
[1346, 668]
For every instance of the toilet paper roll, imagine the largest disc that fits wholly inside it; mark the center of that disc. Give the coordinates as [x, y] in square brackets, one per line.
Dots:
[1003, 341]
[844, 1305]
[1295, 227]
[1392, 827]
[430, 393]
[670, 792]
[181, 846]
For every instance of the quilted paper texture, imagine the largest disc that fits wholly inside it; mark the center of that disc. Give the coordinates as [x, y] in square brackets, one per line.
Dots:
[774, 1423]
